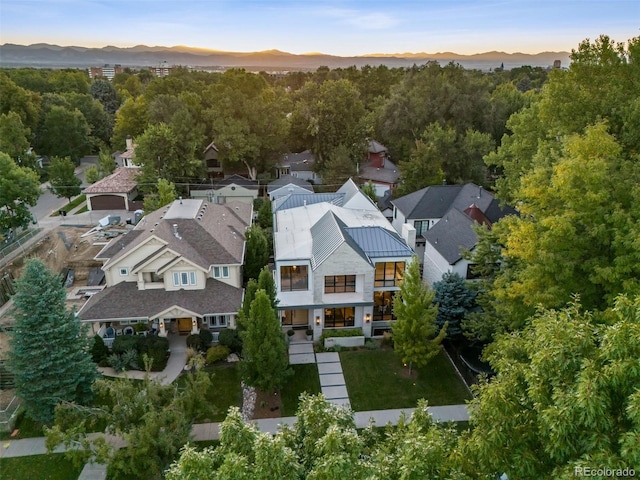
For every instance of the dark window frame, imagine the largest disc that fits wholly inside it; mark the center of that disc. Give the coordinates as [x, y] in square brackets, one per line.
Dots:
[340, 284]
[338, 317]
[381, 278]
[386, 312]
[290, 281]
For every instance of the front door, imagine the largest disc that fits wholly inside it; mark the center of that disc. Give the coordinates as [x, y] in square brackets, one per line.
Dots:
[184, 325]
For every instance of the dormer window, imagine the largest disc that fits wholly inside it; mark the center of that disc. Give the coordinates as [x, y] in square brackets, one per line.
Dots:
[184, 278]
[220, 272]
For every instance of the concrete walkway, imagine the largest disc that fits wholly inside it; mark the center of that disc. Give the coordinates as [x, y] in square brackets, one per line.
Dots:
[332, 382]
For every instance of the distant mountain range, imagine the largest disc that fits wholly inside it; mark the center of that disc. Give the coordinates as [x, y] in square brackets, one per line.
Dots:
[43, 55]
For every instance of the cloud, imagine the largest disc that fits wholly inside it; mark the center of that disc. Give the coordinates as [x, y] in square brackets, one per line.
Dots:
[362, 20]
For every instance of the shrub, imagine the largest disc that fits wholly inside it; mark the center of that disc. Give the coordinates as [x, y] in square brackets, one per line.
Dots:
[99, 351]
[140, 327]
[336, 348]
[157, 349]
[125, 342]
[349, 332]
[230, 338]
[206, 336]
[290, 332]
[117, 363]
[194, 341]
[130, 359]
[309, 331]
[217, 353]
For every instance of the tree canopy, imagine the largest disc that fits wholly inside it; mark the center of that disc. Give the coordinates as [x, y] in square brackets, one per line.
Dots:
[19, 189]
[62, 177]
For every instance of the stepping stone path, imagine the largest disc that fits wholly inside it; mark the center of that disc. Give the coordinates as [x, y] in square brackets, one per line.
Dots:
[331, 378]
[300, 353]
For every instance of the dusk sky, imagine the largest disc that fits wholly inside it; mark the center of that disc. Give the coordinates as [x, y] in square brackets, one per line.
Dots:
[332, 27]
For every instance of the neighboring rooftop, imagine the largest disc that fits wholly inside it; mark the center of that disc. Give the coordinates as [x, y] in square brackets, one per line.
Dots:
[452, 235]
[376, 147]
[286, 180]
[122, 180]
[388, 173]
[237, 180]
[297, 162]
[294, 200]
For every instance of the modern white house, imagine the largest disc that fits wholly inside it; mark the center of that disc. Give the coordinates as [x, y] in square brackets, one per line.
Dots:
[178, 270]
[337, 266]
[443, 217]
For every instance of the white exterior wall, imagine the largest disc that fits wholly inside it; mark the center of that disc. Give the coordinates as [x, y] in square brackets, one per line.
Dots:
[344, 261]
[308, 175]
[435, 266]
[235, 193]
[398, 220]
[180, 267]
[235, 277]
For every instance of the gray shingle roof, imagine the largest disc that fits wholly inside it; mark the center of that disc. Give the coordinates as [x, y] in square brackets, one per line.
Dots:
[451, 235]
[378, 242]
[125, 301]
[299, 162]
[376, 147]
[215, 234]
[285, 180]
[387, 174]
[237, 180]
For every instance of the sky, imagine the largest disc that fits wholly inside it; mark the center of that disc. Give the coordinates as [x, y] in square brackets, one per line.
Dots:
[343, 28]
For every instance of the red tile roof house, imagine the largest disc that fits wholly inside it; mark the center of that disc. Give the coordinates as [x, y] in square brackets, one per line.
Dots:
[179, 270]
[115, 192]
[379, 169]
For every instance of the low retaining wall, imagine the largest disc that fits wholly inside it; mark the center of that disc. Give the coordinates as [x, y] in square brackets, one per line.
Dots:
[344, 341]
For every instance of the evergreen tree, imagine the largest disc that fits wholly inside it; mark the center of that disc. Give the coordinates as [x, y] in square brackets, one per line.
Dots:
[49, 350]
[267, 283]
[265, 215]
[249, 295]
[265, 364]
[257, 252]
[454, 299]
[64, 182]
[415, 334]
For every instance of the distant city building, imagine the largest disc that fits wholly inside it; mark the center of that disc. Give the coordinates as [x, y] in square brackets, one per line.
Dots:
[106, 71]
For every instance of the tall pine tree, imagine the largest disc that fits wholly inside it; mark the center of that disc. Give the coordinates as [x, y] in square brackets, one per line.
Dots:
[49, 350]
[415, 334]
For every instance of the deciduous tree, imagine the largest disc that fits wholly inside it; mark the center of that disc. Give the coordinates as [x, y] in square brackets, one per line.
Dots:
[64, 133]
[152, 420]
[14, 136]
[19, 189]
[165, 195]
[565, 395]
[58, 369]
[415, 335]
[62, 177]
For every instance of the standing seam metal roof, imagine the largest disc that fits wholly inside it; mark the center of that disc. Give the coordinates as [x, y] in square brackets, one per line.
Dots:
[378, 242]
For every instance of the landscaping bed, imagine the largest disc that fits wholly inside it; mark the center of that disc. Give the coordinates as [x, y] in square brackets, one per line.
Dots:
[377, 380]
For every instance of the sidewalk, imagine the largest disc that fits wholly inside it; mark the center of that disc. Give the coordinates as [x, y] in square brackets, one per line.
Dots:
[211, 431]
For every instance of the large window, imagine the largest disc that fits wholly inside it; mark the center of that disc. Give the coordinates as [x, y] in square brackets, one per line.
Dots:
[383, 306]
[294, 277]
[340, 284]
[389, 274]
[339, 317]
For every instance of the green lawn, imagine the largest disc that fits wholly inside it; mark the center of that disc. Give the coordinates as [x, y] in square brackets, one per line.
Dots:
[305, 379]
[224, 393]
[84, 208]
[41, 467]
[376, 380]
[71, 205]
